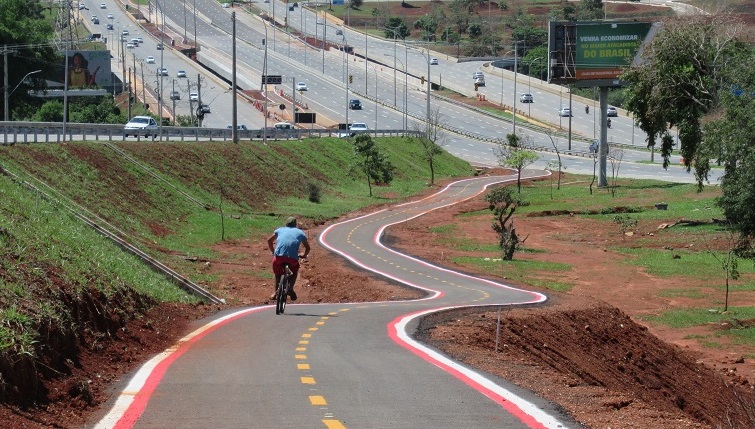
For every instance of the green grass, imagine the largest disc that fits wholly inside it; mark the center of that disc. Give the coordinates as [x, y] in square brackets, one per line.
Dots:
[699, 264]
[683, 200]
[684, 203]
[684, 318]
[256, 186]
[519, 270]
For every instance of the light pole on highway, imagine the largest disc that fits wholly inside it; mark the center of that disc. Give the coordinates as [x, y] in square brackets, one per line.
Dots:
[345, 46]
[234, 123]
[264, 85]
[324, 24]
[406, 88]
[529, 86]
[377, 104]
[395, 33]
[513, 106]
[8, 94]
[503, 58]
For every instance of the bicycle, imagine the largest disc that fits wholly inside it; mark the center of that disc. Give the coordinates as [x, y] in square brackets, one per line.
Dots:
[283, 289]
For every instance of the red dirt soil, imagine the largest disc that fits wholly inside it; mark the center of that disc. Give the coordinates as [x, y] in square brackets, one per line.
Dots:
[586, 349]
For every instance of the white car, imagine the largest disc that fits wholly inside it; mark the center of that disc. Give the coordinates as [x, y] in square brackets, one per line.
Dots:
[181, 73]
[565, 111]
[130, 45]
[141, 126]
[150, 59]
[103, 6]
[301, 86]
[110, 16]
[163, 71]
[478, 75]
[433, 61]
[526, 98]
[354, 129]
[194, 96]
[140, 40]
[611, 111]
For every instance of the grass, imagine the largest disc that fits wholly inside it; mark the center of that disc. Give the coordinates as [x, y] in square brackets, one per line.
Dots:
[254, 186]
[685, 261]
[685, 318]
[697, 264]
[523, 271]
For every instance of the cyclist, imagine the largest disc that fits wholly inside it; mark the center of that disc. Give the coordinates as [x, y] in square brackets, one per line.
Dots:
[587, 108]
[284, 245]
[609, 123]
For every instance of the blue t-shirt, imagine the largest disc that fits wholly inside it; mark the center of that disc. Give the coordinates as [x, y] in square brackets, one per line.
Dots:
[287, 241]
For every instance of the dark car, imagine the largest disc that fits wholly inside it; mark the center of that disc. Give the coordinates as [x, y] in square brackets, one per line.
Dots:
[204, 108]
[355, 104]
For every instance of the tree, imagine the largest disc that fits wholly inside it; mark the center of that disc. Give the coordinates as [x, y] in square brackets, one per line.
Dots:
[375, 166]
[615, 157]
[730, 137]
[513, 156]
[729, 259]
[433, 141]
[556, 163]
[396, 27]
[678, 83]
[23, 25]
[503, 205]
[356, 4]
[460, 15]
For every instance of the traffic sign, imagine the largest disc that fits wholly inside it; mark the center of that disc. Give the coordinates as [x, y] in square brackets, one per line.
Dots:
[268, 79]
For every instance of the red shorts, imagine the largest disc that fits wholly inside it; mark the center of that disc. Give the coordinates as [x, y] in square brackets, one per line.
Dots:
[279, 261]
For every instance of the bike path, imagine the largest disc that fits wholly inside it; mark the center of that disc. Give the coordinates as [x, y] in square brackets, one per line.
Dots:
[337, 365]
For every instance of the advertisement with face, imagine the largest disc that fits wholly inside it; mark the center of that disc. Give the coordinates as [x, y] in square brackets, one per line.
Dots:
[88, 69]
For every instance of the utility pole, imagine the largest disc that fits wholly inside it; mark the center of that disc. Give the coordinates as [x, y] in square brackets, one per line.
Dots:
[234, 124]
[129, 92]
[200, 114]
[144, 95]
[174, 102]
[5, 79]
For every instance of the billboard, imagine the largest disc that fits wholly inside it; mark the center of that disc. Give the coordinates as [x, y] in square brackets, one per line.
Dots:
[87, 69]
[594, 52]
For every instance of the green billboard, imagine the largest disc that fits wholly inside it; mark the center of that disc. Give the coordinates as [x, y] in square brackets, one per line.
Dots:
[604, 50]
[583, 51]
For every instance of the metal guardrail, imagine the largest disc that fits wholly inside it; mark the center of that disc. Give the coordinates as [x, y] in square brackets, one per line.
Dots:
[52, 132]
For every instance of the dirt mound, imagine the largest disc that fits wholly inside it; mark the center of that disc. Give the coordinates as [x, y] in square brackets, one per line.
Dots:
[594, 361]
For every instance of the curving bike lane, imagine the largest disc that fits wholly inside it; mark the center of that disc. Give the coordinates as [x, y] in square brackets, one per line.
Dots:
[338, 366]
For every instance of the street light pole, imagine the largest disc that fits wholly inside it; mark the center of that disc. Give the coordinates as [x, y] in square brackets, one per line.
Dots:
[234, 131]
[264, 85]
[513, 106]
[345, 44]
[8, 94]
[529, 86]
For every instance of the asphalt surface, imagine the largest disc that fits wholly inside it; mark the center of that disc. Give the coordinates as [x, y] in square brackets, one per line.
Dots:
[337, 365]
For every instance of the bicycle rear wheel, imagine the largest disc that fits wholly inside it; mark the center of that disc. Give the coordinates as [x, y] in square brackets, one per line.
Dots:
[280, 302]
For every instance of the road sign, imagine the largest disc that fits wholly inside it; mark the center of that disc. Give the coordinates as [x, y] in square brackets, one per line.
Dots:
[268, 79]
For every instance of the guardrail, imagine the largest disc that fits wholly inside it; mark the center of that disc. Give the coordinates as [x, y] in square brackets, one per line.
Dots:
[52, 132]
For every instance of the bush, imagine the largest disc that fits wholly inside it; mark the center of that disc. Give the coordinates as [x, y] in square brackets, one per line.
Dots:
[313, 189]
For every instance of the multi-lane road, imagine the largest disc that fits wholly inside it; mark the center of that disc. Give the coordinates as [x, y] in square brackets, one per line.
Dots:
[392, 98]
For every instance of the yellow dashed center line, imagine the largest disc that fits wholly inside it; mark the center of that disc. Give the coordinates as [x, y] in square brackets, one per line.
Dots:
[308, 380]
[303, 366]
[317, 400]
[333, 424]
